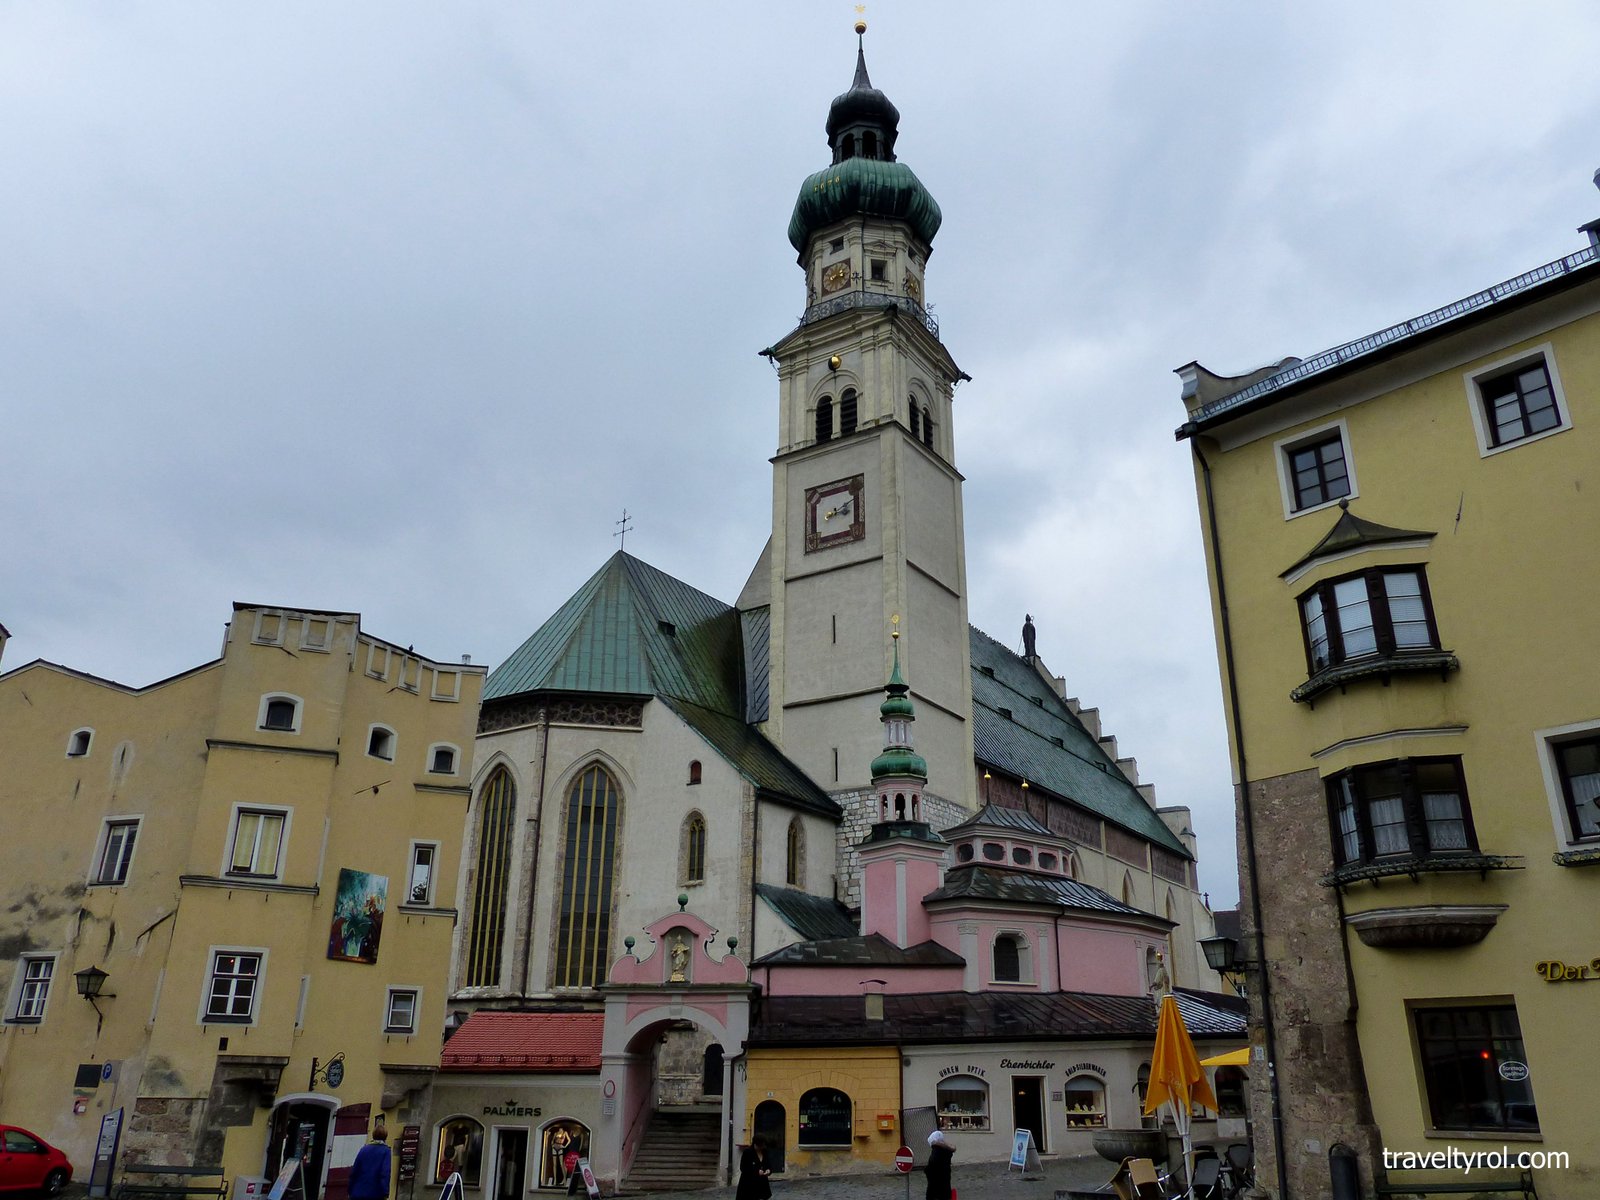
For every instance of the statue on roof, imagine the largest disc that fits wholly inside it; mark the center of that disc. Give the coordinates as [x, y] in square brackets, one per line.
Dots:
[1029, 648]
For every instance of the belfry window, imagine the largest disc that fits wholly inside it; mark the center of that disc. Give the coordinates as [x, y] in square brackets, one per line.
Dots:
[927, 428]
[825, 419]
[916, 420]
[847, 412]
[869, 144]
[583, 936]
[496, 803]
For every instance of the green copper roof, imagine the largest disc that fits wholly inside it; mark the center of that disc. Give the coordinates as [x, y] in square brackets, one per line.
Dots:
[863, 187]
[754, 757]
[631, 630]
[1024, 744]
[898, 761]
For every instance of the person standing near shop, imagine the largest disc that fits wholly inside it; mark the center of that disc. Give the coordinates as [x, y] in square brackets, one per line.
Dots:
[369, 1174]
[755, 1171]
[940, 1152]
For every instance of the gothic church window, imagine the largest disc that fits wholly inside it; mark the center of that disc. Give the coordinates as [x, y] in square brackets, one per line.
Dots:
[583, 935]
[694, 849]
[825, 419]
[795, 855]
[496, 805]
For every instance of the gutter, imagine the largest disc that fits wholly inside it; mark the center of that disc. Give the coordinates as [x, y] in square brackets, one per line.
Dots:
[1247, 811]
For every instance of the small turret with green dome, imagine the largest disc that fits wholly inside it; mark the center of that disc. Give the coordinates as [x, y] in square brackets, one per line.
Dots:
[899, 774]
[865, 180]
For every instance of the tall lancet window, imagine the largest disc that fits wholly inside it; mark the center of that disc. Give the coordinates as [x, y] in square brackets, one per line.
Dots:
[847, 412]
[795, 855]
[496, 809]
[825, 419]
[583, 936]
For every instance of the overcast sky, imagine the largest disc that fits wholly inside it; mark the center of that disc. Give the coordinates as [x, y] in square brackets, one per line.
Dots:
[394, 307]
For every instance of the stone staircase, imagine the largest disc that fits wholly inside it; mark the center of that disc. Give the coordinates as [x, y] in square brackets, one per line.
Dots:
[679, 1151]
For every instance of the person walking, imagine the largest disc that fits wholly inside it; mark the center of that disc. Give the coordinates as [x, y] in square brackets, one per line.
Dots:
[369, 1174]
[755, 1172]
[940, 1152]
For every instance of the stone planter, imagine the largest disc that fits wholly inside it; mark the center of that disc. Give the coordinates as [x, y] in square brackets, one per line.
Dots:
[1118, 1144]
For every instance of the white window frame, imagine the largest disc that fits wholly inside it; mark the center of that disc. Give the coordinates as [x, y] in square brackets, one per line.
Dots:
[433, 873]
[206, 1016]
[307, 642]
[87, 733]
[1283, 447]
[394, 741]
[1545, 351]
[1545, 742]
[388, 1008]
[262, 636]
[1025, 976]
[378, 661]
[233, 832]
[103, 844]
[269, 698]
[19, 985]
[438, 690]
[455, 761]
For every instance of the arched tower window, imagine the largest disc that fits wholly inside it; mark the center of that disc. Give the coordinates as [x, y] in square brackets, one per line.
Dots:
[694, 849]
[496, 809]
[825, 419]
[927, 428]
[847, 412]
[583, 934]
[869, 144]
[1007, 959]
[849, 150]
[916, 419]
[795, 855]
[694, 772]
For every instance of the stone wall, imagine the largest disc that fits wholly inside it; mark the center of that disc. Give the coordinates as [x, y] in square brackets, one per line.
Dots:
[1321, 1081]
[860, 813]
[164, 1131]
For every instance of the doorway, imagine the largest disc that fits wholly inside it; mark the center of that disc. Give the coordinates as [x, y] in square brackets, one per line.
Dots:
[1027, 1107]
[510, 1163]
[300, 1130]
[769, 1125]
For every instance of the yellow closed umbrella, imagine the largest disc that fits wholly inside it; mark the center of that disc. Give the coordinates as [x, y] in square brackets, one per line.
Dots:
[1177, 1077]
[1233, 1058]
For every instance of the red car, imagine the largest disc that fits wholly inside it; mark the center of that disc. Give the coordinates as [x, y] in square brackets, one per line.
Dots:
[31, 1164]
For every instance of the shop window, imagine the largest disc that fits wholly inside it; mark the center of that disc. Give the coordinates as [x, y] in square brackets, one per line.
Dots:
[826, 1118]
[1474, 1069]
[459, 1150]
[1230, 1091]
[1085, 1098]
[963, 1102]
[559, 1141]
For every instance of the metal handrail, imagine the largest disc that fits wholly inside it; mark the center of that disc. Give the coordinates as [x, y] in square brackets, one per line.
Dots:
[861, 299]
[1373, 341]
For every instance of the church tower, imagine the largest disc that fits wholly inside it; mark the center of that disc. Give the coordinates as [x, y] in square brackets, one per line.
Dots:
[867, 511]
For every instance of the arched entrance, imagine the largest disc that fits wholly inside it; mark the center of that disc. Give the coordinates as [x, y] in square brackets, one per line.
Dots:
[668, 985]
[302, 1128]
[771, 1124]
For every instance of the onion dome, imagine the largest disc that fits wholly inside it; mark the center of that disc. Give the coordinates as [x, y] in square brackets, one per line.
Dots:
[864, 179]
[898, 760]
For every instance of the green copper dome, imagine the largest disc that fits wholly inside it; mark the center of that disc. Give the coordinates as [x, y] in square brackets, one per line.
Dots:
[897, 761]
[863, 187]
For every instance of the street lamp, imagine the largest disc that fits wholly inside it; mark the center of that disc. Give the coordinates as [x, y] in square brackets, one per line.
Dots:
[1222, 956]
[90, 980]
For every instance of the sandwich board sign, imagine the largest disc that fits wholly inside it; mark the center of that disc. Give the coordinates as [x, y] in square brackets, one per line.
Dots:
[1025, 1156]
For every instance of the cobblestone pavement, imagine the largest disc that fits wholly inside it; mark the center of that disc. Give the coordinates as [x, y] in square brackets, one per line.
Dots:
[973, 1181]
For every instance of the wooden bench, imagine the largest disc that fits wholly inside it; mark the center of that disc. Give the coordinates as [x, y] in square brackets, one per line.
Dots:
[143, 1181]
[1385, 1184]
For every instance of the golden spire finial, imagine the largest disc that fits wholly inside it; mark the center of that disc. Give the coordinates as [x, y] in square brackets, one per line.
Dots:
[895, 621]
[861, 19]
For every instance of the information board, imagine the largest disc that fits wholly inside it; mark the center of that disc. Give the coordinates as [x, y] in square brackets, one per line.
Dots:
[105, 1154]
[409, 1146]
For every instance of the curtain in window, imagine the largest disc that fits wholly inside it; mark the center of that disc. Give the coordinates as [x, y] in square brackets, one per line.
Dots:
[583, 939]
[1355, 618]
[1407, 613]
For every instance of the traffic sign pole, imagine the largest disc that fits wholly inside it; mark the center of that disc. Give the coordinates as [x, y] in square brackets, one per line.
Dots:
[903, 1162]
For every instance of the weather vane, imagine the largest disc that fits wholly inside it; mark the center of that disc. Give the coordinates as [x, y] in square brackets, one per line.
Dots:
[626, 524]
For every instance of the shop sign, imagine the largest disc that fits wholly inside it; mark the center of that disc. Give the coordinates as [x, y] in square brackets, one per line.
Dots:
[1027, 1064]
[966, 1070]
[1080, 1068]
[511, 1109]
[1553, 970]
[410, 1144]
[1513, 1071]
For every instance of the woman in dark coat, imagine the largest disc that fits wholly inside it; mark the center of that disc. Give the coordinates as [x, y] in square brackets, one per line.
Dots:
[940, 1151]
[754, 1172]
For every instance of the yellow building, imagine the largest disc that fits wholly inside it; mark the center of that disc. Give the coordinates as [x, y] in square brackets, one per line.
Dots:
[824, 1109]
[1401, 537]
[261, 856]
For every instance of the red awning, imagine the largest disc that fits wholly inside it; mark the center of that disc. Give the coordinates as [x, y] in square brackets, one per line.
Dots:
[516, 1041]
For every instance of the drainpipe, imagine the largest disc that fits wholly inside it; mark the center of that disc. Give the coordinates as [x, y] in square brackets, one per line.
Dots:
[1247, 811]
[755, 866]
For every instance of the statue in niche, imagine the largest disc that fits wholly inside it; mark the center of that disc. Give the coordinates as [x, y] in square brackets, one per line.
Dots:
[680, 960]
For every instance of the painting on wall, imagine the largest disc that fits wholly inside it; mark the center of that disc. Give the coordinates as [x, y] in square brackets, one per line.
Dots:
[357, 916]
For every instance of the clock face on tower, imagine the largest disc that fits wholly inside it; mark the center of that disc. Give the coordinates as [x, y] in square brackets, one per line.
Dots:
[836, 276]
[834, 514]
